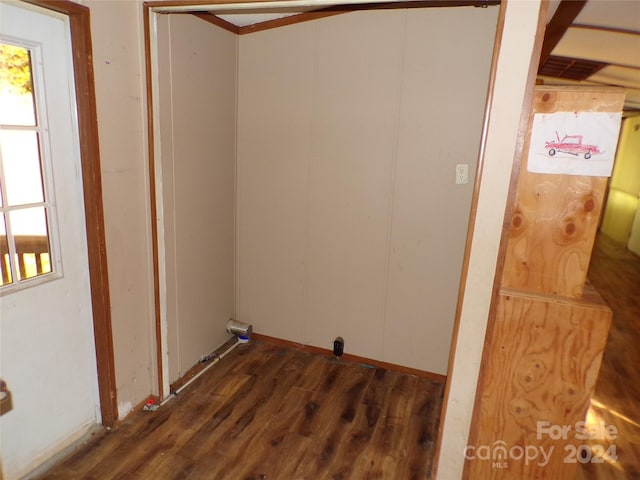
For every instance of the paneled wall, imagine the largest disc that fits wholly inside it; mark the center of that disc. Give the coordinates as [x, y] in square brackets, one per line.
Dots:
[118, 62]
[197, 67]
[348, 219]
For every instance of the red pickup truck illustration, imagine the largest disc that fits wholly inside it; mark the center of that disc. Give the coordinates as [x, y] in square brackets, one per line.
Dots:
[571, 144]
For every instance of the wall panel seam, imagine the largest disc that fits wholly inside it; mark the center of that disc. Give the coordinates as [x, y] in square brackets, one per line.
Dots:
[392, 183]
[310, 162]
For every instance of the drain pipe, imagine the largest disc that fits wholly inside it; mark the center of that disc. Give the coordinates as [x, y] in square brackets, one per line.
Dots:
[215, 359]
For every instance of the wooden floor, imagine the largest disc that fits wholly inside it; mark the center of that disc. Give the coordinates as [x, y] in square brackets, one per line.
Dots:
[264, 412]
[615, 273]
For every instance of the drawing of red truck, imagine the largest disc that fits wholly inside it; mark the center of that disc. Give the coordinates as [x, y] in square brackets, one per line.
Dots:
[571, 144]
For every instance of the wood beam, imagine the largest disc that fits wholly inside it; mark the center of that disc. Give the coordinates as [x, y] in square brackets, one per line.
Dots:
[215, 20]
[566, 13]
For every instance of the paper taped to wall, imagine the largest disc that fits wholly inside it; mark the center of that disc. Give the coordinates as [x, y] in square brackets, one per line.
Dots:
[574, 143]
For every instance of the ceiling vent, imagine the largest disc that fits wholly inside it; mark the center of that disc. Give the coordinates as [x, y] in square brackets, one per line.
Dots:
[569, 68]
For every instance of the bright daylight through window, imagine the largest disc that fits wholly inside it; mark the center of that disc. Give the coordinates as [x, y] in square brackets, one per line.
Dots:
[25, 247]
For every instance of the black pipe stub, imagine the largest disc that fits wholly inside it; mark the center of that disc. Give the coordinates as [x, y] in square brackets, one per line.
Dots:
[338, 347]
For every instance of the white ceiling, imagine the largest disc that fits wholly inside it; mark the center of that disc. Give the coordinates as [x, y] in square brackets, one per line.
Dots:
[604, 31]
[244, 19]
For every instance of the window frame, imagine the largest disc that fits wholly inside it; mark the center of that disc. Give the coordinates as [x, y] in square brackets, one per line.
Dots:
[41, 128]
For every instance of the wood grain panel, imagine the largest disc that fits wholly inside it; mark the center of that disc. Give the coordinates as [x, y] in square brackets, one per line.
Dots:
[266, 412]
[544, 358]
[555, 217]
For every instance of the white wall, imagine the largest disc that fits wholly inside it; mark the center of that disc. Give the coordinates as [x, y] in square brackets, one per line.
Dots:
[118, 60]
[505, 107]
[349, 221]
[197, 66]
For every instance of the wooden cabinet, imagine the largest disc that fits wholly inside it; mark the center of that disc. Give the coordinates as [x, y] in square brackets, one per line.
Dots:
[555, 217]
[545, 341]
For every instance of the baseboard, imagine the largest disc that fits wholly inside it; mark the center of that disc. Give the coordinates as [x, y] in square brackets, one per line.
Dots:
[436, 377]
[62, 450]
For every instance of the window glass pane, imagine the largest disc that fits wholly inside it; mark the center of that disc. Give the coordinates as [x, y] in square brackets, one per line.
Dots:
[21, 162]
[29, 229]
[17, 106]
[5, 269]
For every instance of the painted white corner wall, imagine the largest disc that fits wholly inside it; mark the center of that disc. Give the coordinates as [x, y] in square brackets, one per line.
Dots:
[197, 92]
[509, 89]
[349, 221]
[118, 60]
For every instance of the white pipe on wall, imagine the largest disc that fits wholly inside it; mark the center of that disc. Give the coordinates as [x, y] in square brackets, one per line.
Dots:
[215, 360]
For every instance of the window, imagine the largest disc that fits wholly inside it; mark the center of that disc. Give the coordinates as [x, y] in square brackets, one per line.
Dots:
[25, 212]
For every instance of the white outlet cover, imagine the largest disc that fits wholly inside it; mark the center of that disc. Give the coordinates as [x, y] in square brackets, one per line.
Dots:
[462, 173]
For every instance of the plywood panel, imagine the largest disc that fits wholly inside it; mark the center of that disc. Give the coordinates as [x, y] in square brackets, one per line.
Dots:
[555, 218]
[545, 345]
[542, 365]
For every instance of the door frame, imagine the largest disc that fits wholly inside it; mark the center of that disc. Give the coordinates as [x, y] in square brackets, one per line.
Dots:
[486, 270]
[82, 53]
[151, 10]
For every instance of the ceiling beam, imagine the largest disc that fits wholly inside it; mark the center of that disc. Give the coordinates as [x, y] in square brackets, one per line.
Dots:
[211, 18]
[566, 13]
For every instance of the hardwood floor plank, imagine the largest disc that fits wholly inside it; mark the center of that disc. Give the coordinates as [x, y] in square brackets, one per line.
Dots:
[336, 415]
[388, 446]
[267, 412]
[78, 464]
[355, 444]
[615, 272]
[421, 429]
[257, 422]
[282, 407]
[324, 387]
[277, 450]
